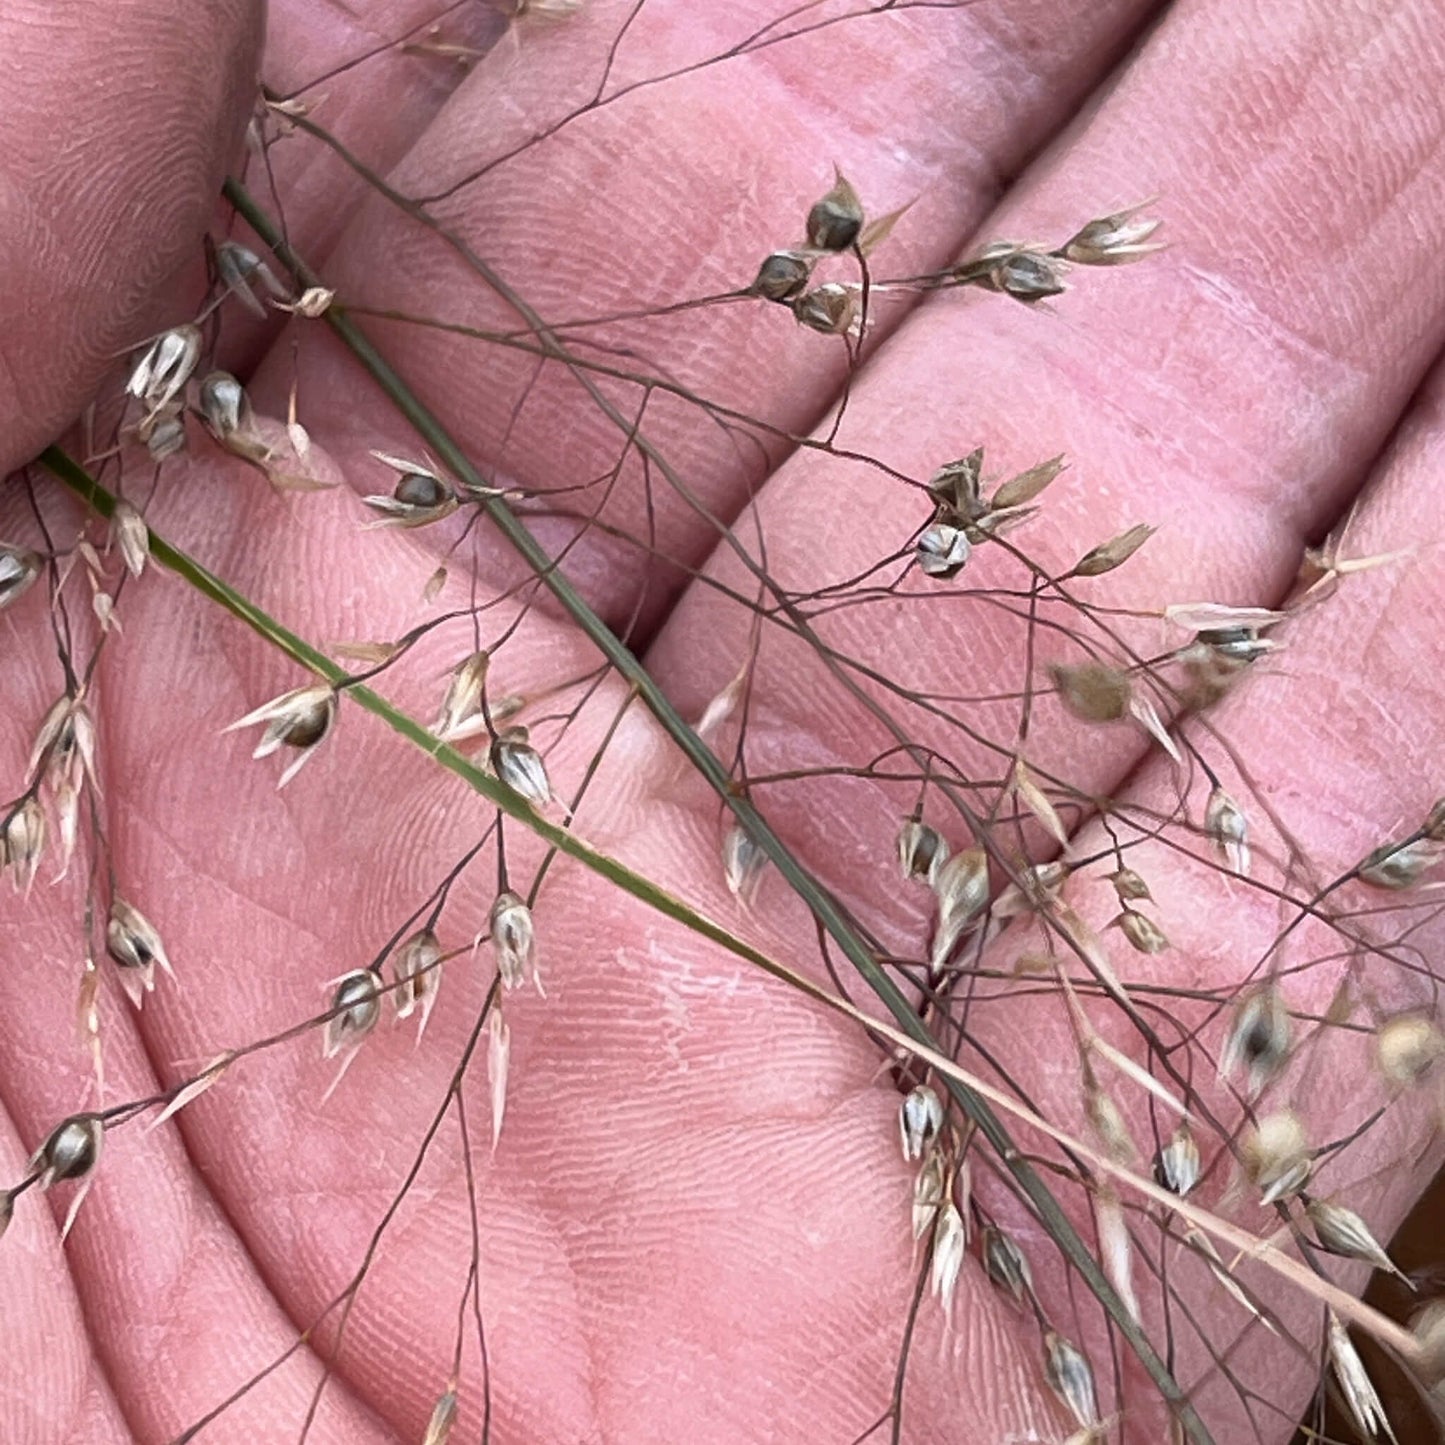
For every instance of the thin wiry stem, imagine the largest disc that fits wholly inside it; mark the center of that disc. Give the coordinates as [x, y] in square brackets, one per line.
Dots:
[819, 901]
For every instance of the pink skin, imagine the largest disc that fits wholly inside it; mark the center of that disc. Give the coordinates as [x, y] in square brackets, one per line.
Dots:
[695, 1223]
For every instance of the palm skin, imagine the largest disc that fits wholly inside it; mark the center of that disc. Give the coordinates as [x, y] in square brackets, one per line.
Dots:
[694, 1224]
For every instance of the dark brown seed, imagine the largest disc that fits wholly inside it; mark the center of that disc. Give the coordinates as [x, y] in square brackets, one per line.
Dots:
[782, 276]
[418, 489]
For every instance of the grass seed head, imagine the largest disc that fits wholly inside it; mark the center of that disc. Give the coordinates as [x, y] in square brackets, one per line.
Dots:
[949, 1242]
[443, 1418]
[1365, 1405]
[132, 537]
[1398, 866]
[225, 407]
[1227, 826]
[1343, 1232]
[463, 700]
[962, 888]
[829, 309]
[1130, 887]
[1113, 553]
[300, 719]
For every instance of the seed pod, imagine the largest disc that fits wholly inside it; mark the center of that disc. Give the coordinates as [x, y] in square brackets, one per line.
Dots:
[942, 551]
[1027, 276]
[1229, 828]
[955, 486]
[1130, 887]
[920, 1117]
[165, 366]
[1114, 240]
[131, 535]
[300, 719]
[829, 308]
[1113, 553]
[1142, 932]
[240, 268]
[519, 765]
[835, 221]
[419, 498]
[1011, 496]
[417, 965]
[135, 945]
[1277, 1156]
[464, 694]
[1343, 1232]
[783, 276]
[22, 840]
[929, 1187]
[19, 567]
[515, 941]
[1258, 1039]
[357, 1006]
[225, 407]
[1399, 865]
[1005, 1265]
[1406, 1046]
[1176, 1164]
[962, 889]
[1070, 1378]
[743, 864]
[1092, 691]
[71, 1150]
[921, 851]
[949, 1241]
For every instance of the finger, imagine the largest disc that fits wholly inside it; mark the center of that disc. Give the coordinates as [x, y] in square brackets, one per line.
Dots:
[85, 268]
[689, 1154]
[377, 73]
[675, 189]
[1331, 749]
[1228, 390]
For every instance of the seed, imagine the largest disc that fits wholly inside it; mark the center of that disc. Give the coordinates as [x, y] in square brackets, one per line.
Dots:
[949, 1240]
[71, 1151]
[962, 889]
[417, 965]
[515, 941]
[1259, 1038]
[1277, 1156]
[165, 366]
[942, 550]
[782, 276]
[1130, 887]
[22, 840]
[519, 765]
[443, 1417]
[1399, 865]
[1070, 1378]
[1027, 276]
[743, 863]
[1113, 553]
[928, 1191]
[828, 309]
[836, 219]
[1342, 1231]
[1176, 1165]
[135, 945]
[1143, 933]
[921, 851]
[1229, 828]
[19, 567]
[920, 1117]
[1406, 1046]
[299, 719]
[1113, 240]
[1005, 1265]
[225, 408]
[357, 1007]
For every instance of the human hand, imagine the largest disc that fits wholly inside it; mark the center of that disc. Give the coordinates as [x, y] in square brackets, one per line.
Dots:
[695, 1220]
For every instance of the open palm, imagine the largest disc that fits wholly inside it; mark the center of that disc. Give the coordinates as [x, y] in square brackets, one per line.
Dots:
[695, 1222]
